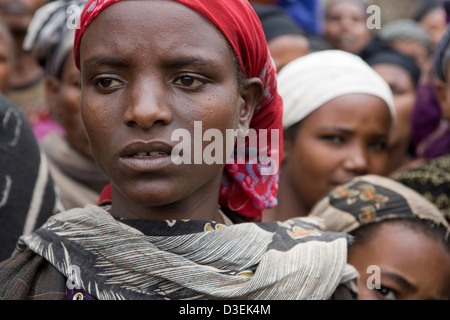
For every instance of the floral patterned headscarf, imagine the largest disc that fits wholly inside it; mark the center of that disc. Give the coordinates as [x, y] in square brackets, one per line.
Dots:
[371, 198]
[246, 188]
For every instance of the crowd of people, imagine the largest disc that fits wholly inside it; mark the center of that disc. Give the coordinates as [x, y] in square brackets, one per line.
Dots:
[353, 204]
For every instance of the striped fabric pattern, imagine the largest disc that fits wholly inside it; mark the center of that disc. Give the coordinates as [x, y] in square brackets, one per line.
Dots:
[289, 260]
[27, 193]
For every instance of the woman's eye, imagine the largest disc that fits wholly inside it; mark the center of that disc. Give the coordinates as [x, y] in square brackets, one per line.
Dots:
[378, 145]
[398, 91]
[387, 293]
[333, 138]
[334, 18]
[107, 83]
[188, 81]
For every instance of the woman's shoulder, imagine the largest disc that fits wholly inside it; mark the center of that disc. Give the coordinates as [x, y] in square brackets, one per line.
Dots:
[28, 276]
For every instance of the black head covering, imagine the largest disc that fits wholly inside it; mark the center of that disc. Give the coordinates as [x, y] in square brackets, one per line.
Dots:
[276, 22]
[392, 56]
[380, 52]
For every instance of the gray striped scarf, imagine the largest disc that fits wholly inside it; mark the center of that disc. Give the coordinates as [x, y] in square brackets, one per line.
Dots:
[192, 259]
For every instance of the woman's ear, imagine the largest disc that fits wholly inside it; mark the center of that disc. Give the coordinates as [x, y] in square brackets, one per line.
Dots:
[52, 87]
[252, 94]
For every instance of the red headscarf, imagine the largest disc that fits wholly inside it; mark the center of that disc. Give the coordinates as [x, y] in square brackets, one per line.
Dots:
[244, 189]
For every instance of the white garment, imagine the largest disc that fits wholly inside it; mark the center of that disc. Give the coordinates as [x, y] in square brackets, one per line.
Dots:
[308, 82]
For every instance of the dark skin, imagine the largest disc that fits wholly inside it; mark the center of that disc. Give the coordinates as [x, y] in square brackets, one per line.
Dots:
[335, 143]
[63, 96]
[144, 74]
[17, 15]
[346, 27]
[404, 91]
[413, 265]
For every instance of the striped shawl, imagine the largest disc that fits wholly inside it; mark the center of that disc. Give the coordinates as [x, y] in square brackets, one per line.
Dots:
[192, 259]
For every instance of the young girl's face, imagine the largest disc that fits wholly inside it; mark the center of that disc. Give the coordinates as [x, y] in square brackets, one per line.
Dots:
[408, 265]
[150, 68]
[344, 138]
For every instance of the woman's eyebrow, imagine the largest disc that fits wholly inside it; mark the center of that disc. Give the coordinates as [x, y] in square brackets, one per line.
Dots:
[344, 130]
[102, 61]
[170, 63]
[191, 61]
[335, 128]
[400, 280]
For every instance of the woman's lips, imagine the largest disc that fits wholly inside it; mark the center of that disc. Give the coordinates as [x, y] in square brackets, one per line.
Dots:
[147, 157]
[147, 164]
[149, 154]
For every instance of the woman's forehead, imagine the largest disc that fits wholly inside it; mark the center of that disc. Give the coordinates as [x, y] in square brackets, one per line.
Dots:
[135, 15]
[149, 26]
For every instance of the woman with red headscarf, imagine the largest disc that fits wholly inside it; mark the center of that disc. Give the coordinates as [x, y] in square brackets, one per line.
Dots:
[154, 73]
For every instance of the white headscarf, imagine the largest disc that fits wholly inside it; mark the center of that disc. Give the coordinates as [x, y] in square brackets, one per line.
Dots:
[308, 82]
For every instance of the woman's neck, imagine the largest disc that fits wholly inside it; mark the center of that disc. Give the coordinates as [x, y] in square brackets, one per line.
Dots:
[206, 209]
[289, 205]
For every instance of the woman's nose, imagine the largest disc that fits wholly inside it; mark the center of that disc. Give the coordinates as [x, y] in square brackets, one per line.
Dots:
[357, 160]
[147, 105]
[347, 24]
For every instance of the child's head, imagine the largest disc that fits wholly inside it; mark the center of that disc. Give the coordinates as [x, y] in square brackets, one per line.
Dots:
[146, 75]
[337, 118]
[401, 242]
[412, 257]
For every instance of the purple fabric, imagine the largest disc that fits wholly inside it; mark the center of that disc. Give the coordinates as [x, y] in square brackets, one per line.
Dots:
[77, 294]
[46, 126]
[439, 146]
[426, 118]
[426, 114]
